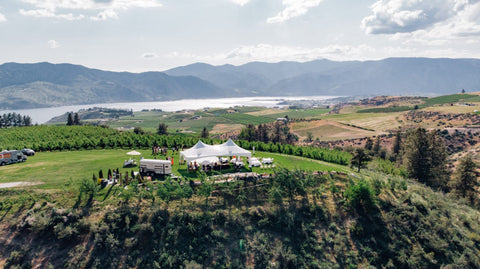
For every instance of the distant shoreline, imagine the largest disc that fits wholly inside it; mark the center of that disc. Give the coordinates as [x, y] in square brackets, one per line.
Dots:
[42, 115]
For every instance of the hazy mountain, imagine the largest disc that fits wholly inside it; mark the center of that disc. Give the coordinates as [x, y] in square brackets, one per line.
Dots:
[45, 84]
[392, 76]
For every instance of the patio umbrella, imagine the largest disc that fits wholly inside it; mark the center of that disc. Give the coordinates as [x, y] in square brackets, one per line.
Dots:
[134, 152]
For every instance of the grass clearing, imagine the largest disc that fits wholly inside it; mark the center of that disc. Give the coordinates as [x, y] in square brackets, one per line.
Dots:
[58, 170]
[453, 98]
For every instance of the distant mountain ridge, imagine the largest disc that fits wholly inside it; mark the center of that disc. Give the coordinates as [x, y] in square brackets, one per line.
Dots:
[45, 84]
[391, 76]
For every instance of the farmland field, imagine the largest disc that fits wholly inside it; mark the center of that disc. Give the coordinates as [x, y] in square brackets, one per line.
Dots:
[379, 122]
[328, 130]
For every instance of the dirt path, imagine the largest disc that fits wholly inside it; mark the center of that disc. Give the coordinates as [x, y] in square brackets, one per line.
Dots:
[17, 184]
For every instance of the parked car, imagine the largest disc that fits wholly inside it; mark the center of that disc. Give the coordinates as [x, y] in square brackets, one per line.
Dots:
[28, 152]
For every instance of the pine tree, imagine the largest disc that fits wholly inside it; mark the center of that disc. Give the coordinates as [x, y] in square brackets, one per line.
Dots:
[465, 180]
[204, 133]
[376, 147]
[69, 119]
[425, 158]
[439, 166]
[397, 143]
[76, 119]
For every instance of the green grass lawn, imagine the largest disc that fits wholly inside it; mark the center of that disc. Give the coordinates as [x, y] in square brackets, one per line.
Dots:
[453, 98]
[56, 170]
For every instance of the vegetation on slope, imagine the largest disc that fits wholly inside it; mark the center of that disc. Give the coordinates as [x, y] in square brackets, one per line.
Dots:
[295, 220]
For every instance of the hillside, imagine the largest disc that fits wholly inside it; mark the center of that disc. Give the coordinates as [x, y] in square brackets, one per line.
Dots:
[45, 84]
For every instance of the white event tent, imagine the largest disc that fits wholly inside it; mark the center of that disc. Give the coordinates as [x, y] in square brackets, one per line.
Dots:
[202, 150]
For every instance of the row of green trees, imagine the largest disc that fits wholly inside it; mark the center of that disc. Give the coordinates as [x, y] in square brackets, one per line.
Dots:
[73, 120]
[14, 120]
[278, 132]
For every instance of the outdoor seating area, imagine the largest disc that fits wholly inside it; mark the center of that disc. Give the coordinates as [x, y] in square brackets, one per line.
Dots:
[214, 157]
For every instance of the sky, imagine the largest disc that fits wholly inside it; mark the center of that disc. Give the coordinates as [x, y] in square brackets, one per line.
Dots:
[156, 35]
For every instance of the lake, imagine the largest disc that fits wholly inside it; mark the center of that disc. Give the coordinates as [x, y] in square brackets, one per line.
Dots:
[42, 115]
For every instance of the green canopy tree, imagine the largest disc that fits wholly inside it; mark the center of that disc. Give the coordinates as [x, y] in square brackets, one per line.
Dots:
[360, 158]
[162, 129]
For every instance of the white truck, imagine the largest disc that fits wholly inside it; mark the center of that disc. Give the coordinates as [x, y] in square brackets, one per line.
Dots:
[151, 167]
[11, 156]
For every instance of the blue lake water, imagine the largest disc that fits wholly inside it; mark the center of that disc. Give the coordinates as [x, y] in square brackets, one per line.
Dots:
[42, 115]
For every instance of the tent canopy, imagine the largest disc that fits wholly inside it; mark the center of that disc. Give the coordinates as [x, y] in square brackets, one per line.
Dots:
[202, 150]
[134, 152]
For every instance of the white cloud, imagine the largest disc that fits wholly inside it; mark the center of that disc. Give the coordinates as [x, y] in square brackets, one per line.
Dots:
[406, 16]
[2, 18]
[45, 13]
[271, 53]
[106, 9]
[53, 44]
[293, 8]
[240, 2]
[105, 15]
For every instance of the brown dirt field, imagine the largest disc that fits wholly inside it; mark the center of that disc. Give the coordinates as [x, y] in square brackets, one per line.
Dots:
[225, 128]
[454, 108]
[328, 130]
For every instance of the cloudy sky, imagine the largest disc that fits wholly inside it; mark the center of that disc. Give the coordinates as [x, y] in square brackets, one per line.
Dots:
[141, 35]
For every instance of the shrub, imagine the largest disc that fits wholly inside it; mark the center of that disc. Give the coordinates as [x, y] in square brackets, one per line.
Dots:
[360, 196]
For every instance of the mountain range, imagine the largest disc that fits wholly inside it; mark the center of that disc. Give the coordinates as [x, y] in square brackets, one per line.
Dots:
[46, 84]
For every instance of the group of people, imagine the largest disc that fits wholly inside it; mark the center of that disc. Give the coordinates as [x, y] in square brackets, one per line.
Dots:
[162, 150]
[158, 150]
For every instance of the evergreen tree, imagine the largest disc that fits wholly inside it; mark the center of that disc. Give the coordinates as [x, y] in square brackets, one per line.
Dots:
[278, 134]
[425, 158]
[359, 159]
[162, 129]
[204, 133]
[465, 180]
[76, 119]
[439, 155]
[376, 147]
[262, 133]
[397, 143]
[27, 121]
[69, 119]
